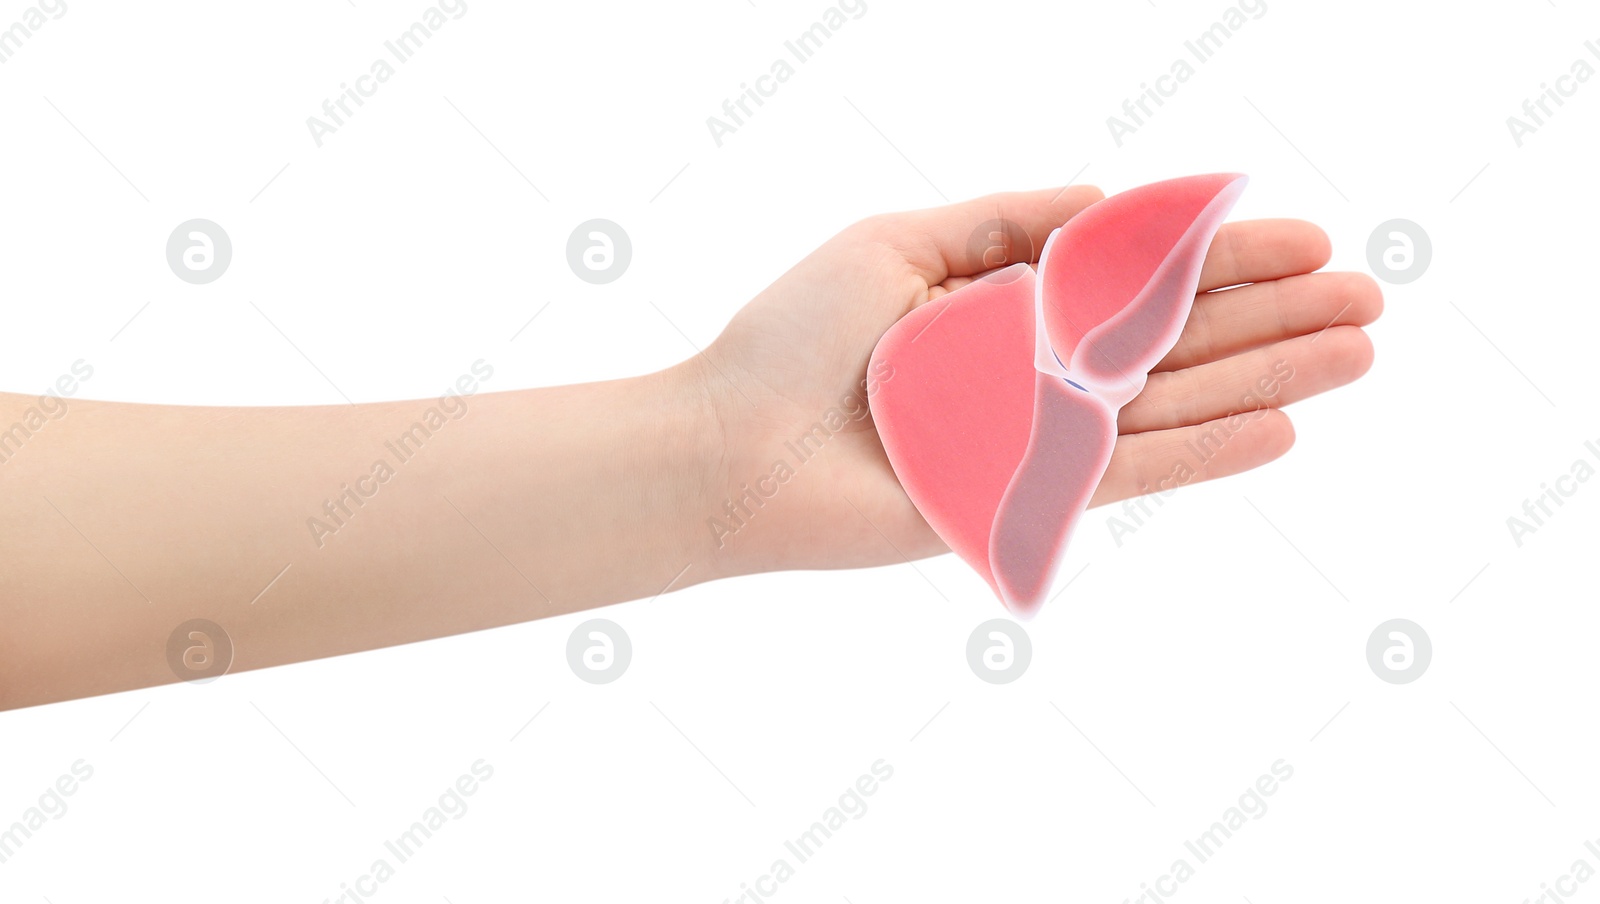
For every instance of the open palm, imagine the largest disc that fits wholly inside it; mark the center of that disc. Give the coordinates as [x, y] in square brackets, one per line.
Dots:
[1266, 330]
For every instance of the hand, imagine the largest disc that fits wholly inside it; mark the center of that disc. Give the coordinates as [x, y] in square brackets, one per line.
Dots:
[544, 501]
[800, 350]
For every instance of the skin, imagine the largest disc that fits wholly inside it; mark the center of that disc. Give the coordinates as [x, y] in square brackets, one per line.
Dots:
[119, 522]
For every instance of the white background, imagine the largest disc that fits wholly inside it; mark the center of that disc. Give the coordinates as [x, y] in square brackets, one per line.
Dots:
[1224, 635]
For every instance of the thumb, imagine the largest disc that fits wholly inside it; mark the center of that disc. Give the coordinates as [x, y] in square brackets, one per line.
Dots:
[982, 234]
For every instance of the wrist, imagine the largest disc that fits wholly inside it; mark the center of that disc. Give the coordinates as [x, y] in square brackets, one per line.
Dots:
[686, 426]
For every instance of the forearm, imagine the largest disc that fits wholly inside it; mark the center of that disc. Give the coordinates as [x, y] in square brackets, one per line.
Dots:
[311, 532]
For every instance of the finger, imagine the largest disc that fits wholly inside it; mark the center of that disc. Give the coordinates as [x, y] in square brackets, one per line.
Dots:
[950, 285]
[1270, 377]
[1162, 461]
[982, 234]
[1254, 250]
[1235, 320]
[957, 282]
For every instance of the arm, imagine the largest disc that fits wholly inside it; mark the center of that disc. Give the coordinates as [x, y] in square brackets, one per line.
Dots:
[120, 522]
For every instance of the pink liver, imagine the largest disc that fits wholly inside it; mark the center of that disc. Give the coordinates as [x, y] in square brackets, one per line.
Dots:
[956, 416]
[1000, 439]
